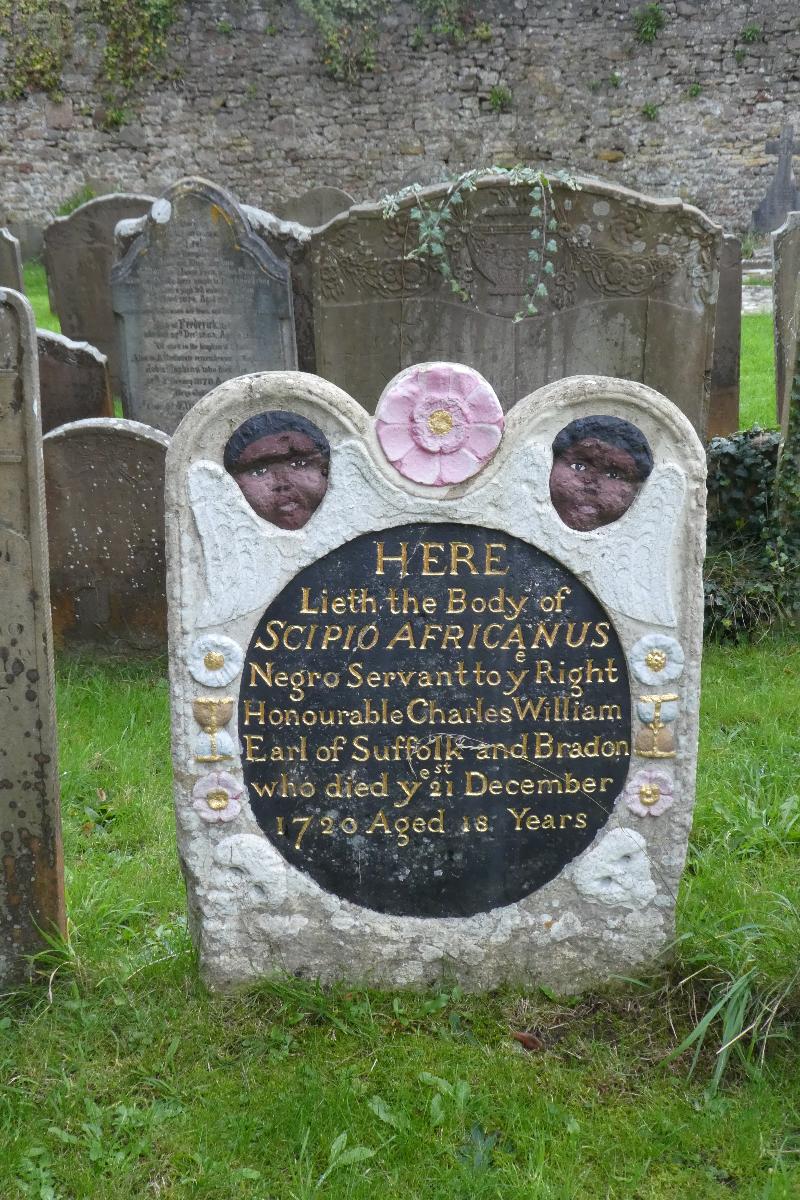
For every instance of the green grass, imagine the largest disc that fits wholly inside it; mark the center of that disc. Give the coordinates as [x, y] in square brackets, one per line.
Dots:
[35, 280]
[129, 1080]
[757, 383]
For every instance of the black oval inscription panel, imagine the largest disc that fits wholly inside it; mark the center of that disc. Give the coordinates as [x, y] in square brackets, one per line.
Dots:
[434, 720]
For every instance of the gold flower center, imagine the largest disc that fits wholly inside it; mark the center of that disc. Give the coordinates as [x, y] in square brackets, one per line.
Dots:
[217, 799]
[649, 794]
[214, 660]
[440, 422]
[656, 660]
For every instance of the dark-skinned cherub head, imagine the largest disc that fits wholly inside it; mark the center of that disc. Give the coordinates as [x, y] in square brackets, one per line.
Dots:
[599, 466]
[280, 462]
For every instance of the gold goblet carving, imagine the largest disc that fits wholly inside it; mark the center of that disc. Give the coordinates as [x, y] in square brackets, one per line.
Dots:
[212, 714]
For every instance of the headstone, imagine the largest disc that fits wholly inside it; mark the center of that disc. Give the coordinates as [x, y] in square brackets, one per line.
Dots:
[73, 381]
[632, 294]
[200, 298]
[723, 415]
[10, 262]
[786, 304]
[434, 691]
[105, 519]
[78, 252]
[32, 876]
[317, 206]
[782, 194]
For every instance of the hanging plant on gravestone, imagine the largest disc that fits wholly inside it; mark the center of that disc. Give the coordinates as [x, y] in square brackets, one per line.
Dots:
[434, 218]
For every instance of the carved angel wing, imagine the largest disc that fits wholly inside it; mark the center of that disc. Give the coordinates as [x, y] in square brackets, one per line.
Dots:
[630, 566]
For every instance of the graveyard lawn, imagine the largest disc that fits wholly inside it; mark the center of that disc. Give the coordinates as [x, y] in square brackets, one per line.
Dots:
[122, 1077]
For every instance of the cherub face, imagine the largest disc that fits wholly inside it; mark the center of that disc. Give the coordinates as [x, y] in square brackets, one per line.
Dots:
[283, 477]
[593, 483]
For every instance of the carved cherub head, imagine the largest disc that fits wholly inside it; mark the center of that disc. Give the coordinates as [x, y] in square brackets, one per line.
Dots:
[599, 466]
[280, 461]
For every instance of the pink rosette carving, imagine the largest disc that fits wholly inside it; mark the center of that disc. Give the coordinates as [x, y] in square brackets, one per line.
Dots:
[216, 797]
[439, 423]
[649, 793]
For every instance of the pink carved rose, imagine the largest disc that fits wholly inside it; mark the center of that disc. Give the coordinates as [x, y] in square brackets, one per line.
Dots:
[649, 793]
[438, 423]
[216, 797]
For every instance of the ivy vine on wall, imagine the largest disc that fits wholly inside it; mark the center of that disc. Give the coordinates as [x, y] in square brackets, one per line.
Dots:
[38, 37]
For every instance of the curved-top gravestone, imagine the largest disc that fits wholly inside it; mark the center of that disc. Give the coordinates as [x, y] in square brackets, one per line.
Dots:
[633, 292]
[105, 524]
[434, 677]
[200, 297]
[78, 252]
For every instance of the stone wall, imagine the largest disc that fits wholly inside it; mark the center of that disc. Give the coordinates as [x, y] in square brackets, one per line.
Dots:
[249, 105]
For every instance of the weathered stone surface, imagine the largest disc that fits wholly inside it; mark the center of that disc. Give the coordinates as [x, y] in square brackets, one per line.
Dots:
[73, 380]
[723, 415]
[200, 298]
[306, 844]
[10, 262]
[31, 879]
[782, 195]
[786, 302]
[317, 206]
[78, 251]
[105, 520]
[633, 294]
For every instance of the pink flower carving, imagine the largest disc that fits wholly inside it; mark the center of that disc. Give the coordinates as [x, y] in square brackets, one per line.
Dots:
[216, 797]
[649, 793]
[438, 423]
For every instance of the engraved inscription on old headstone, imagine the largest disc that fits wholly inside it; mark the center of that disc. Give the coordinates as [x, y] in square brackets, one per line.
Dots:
[632, 293]
[434, 677]
[200, 298]
[31, 870]
[78, 252]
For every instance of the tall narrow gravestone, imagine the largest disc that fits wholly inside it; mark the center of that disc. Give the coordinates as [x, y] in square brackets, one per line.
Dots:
[434, 680]
[723, 414]
[31, 870]
[200, 298]
[78, 252]
[10, 262]
[786, 305]
[632, 293]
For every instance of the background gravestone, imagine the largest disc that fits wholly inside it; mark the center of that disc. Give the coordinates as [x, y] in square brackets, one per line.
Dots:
[78, 252]
[782, 194]
[438, 732]
[73, 380]
[633, 294]
[105, 520]
[200, 298]
[317, 206]
[723, 415]
[31, 878]
[786, 307]
[10, 262]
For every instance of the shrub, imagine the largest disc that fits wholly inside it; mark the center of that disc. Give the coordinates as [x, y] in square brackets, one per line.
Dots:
[648, 21]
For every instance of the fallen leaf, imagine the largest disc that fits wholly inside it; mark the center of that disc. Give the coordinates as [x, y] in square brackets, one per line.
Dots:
[531, 1041]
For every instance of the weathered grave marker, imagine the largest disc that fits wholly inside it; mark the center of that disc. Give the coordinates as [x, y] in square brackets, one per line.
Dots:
[632, 294]
[723, 414]
[200, 298]
[317, 206]
[73, 380]
[782, 194]
[10, 262]
[447, 726]
[78, 252]
[786, 306]
[31, 869]
[105, 517]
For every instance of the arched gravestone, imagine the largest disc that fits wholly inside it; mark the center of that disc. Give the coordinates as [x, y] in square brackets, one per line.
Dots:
[78, 252]
[200, 297]
[105, 520]
[633, 293]
[31, 874]
[443, 728]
